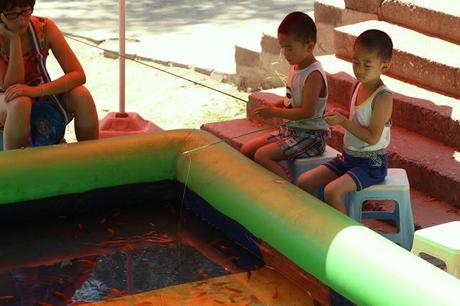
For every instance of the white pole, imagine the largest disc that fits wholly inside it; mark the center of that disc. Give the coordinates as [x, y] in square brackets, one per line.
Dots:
[121, 57]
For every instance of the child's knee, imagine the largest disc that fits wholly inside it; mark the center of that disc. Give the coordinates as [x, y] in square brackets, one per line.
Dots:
[331, 192]
[261, 156]
[304, 182]
[246, 150]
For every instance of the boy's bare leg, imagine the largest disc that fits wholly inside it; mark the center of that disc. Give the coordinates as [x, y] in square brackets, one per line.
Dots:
[16, 117]
[335, 190]
[250, 148]
[317, 177]
[269, 157]
[80, 103]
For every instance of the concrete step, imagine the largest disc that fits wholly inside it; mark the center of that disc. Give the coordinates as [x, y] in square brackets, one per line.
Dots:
[428, 113]
[238, 131]
[431, 165]
[420, 59]
[437, 18]
[428, 211]
[245, 56]
[334, 13]
[368, 6]
[327, 15]
[269, 41]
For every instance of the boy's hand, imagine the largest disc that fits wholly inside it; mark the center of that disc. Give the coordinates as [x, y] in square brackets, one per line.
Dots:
[335, 118]
[265, 110]
[18, 90]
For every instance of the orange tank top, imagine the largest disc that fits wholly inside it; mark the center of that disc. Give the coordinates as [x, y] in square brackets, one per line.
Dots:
[32, 74]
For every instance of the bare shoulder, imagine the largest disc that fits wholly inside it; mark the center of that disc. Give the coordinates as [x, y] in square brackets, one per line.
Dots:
[314, 79]
[384, 98]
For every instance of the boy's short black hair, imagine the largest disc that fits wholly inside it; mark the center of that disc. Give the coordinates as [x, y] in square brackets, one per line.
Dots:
[376, 40]
[299, 25]
[6, 5]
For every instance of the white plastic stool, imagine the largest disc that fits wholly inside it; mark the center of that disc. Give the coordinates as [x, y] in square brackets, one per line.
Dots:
[396, 188]
[301, 165]
[441, 241]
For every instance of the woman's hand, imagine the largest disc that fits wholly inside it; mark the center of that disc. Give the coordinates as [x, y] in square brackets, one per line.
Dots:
[4, 31]
[19, 90]
[335, 118]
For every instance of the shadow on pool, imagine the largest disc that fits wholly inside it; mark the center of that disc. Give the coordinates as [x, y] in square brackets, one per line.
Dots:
[113, 242]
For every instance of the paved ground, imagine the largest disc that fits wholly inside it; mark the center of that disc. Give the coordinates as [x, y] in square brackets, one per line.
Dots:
[196, 33]
[202, 33]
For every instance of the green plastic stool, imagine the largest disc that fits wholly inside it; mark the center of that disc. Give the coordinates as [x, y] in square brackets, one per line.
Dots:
[441, 241]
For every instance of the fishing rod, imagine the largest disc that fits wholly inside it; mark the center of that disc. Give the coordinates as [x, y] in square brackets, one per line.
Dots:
[128, 57]
[196, 83]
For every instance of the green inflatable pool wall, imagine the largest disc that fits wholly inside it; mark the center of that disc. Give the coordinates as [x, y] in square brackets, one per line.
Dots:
[353, 260]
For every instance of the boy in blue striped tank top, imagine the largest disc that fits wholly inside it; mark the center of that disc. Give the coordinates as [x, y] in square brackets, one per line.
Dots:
[367, 130]
[305, 133]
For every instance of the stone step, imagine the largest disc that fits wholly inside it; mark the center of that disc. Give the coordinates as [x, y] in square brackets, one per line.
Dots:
[431, 165]
[420, 59]
[436, 18]
[368, 6]
[428, 113]
[428, 211]
[334, 13]
[245, 56]
[327, 15]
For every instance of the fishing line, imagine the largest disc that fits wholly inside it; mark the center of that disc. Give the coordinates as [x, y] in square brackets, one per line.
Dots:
[245, 134]
[156, 68]
[188, 152]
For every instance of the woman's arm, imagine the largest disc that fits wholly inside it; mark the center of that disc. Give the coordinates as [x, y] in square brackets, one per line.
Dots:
[73, 71]
[381, 114]
[312, 90]
[13, 72]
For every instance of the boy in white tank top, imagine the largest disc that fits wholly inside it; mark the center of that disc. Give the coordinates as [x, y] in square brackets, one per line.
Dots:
[367, 130]
[305, 134]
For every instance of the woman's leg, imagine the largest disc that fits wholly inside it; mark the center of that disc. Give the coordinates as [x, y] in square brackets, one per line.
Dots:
[80, 103]
[15, 116]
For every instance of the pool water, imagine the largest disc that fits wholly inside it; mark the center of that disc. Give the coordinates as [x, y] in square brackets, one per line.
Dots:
[107, 244]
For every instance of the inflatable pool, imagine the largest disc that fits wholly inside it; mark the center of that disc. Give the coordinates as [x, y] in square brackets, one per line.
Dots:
[346, 256]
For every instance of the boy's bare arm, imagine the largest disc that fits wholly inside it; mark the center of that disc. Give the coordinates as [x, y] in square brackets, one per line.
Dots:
[312, 90]
[381, 114]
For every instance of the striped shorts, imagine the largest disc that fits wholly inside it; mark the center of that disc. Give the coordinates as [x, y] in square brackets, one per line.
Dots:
[300, 143]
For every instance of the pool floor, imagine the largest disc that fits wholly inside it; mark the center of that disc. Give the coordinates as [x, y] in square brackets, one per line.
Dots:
[151, 251]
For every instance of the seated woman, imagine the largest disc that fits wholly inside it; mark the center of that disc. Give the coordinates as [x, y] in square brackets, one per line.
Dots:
[33, 109]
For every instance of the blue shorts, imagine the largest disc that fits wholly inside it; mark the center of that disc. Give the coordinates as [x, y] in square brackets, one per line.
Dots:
[47, 123]
[300, 143]
[364, 171]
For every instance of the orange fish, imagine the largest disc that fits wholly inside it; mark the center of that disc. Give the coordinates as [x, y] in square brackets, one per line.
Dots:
[234, 290]
[6, 298]
[61, 295]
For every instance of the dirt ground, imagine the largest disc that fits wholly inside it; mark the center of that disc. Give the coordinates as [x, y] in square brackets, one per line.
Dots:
[196, 33]
[168, 101]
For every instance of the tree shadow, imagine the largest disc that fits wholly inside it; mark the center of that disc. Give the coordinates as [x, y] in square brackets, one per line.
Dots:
[157, 17]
